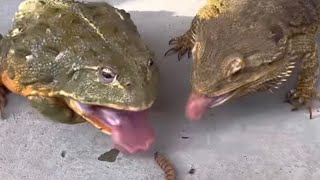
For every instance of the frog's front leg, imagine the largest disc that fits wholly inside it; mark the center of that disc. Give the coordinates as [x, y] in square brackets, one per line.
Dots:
[55, 109]
[3, 95]
[3, 100]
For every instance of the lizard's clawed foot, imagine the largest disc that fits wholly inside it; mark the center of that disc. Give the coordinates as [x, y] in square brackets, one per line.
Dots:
[3, 100]
[300, 99]
[181, 45]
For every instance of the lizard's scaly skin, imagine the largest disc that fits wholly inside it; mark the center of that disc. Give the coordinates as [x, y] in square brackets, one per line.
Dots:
[267, 36]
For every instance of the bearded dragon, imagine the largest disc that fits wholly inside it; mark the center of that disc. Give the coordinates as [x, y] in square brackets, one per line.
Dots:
[244, 46]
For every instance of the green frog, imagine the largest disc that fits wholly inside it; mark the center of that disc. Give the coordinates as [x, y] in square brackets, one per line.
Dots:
[82, 62]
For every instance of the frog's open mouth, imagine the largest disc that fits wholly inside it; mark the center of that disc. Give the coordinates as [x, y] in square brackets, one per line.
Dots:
[197, 104]
[130, 130]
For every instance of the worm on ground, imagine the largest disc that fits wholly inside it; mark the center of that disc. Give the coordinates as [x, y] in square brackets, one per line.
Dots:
[165, 165]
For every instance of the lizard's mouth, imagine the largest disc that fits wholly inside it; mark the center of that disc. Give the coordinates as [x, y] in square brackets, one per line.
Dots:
[198, 104]
[130, 130]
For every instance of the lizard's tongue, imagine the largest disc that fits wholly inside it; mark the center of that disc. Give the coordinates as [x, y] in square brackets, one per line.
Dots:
[130, 130]
[196, 106]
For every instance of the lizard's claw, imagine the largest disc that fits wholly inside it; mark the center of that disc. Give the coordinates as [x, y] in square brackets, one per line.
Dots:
[299, 99]
[181, 45]
[173, 41]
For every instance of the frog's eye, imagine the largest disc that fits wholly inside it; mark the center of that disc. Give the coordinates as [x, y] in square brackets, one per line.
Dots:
[107, 76]
[150, 62]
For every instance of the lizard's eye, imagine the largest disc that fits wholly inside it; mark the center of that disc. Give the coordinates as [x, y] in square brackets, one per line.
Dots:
[234, 66]
[276, 33]
[150, 62]
[106, 75]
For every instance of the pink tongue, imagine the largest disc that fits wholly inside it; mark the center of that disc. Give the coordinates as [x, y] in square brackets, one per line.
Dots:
[196, 106]
[131, 131]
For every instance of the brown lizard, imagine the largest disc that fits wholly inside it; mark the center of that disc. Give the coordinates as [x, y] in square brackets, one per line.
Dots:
[243, 46]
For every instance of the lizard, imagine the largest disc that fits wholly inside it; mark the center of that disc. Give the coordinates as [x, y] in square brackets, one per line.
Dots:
[240, 47]
[82, 62]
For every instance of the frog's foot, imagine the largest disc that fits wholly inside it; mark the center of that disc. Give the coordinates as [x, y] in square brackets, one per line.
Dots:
[55, 109]
[299, 99]
[3, 100]
[181, 45]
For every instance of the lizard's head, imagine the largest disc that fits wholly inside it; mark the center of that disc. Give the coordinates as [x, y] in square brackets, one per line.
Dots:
[233, 57]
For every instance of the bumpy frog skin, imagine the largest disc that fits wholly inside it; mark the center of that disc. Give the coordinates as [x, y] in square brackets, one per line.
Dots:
[82, 61]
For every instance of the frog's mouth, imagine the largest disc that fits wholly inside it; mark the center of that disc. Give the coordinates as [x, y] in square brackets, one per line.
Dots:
[130, 130]
[198, 104]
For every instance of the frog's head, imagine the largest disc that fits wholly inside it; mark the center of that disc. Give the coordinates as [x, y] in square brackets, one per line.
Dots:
[99, 65]
[112, 80]
[114, 95]
[233, 57]
[109, 76]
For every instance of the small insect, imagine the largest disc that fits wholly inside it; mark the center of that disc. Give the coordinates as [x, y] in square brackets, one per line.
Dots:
[63, 154]
[192, 171]
[165, 165]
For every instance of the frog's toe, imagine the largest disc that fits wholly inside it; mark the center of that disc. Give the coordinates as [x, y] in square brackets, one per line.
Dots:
[3, 101]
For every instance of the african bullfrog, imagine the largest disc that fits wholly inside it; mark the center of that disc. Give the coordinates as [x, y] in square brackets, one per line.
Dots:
[82, 62]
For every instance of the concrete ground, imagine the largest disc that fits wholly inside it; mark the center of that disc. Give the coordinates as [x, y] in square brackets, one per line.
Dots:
[252, 138]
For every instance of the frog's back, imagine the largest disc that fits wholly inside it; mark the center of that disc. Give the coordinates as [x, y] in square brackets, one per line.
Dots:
[42, 29]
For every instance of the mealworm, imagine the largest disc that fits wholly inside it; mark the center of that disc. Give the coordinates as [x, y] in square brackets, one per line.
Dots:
[165, 165]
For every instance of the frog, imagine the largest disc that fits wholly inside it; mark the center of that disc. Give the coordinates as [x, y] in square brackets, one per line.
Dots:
[79, 62]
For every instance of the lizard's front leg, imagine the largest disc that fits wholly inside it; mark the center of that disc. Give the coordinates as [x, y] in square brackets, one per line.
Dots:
[55, 109]
[305, 89]
[184, 44]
